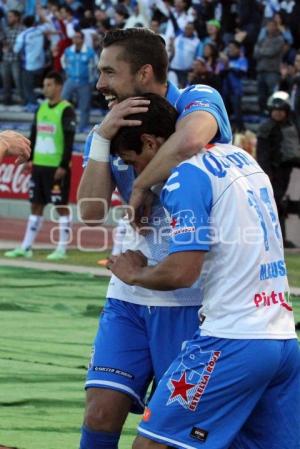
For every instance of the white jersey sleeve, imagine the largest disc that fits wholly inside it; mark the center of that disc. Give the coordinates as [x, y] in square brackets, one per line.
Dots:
[232, 215]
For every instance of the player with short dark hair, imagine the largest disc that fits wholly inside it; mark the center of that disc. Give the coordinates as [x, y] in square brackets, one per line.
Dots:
[56, 76]
[236, 384]
[140, 331]
[52, 137]
[140, 48]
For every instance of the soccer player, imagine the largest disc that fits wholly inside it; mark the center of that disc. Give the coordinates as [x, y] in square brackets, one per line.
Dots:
[52, 137]
[236, 384]
[14, 144]
[140, 331]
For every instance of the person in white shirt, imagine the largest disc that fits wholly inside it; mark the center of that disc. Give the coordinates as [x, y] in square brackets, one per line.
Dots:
[186, 48]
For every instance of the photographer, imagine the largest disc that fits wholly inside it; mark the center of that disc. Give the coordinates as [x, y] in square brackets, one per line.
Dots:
[278, 151]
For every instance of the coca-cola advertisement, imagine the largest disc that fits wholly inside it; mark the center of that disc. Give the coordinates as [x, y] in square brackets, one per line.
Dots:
[14, 183]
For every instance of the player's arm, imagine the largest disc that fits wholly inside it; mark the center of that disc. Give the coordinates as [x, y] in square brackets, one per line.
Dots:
[178, 270]
[69, 127]
[96, 185]
[192, 133]
[202, 120]
[190, 235]
[32, 135]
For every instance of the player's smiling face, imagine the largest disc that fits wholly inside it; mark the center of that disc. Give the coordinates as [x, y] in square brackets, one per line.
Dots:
[116, 80]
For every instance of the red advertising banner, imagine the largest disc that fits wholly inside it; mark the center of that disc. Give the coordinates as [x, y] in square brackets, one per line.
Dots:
[14, 184]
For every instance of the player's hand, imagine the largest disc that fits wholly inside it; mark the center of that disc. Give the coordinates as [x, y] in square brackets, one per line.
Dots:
[140, 206]
[60, 173]
[114, 120]
[127, 265]
[15, 144]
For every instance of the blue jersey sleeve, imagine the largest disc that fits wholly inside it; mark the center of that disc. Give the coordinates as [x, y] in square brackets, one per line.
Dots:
[187, 197]
[200, 97]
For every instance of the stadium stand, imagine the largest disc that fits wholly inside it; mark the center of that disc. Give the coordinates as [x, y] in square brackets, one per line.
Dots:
[217, 24]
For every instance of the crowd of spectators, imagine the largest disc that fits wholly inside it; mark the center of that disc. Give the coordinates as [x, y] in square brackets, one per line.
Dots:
[216, 42]
[219, 43]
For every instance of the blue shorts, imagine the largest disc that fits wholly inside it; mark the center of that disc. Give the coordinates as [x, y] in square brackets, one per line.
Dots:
[228, 394]
[135, 343]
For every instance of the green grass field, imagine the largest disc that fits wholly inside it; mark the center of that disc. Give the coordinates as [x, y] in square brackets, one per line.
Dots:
[48, 321]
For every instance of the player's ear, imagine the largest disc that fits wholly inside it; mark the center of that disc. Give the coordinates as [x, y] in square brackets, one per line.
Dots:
[146, 73]
[149, 142]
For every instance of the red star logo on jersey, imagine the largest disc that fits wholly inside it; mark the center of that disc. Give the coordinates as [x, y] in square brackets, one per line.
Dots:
[173, 222]
[181, 387]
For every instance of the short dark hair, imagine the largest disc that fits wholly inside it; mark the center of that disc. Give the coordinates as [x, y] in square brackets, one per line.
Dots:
[28, 21]
[159, 120]
[78, 31]
[141, 46]
[15, 12]
[56, 76]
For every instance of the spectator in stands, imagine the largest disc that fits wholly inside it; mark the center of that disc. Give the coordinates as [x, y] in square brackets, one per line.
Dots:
[53, 16]
[179, 16]
[139, 16]
[290, 10]
[52, 137]
[185, 49]
[268, 53]
[104, 12]
[213, 28]
[79, 63]
[211, 56]
[204, 11]
[121, 16]
[29, 46]
[278, 151]
[200, 74]
[14, 144]
[62, 42]
[10, 67]
[283, 27]
[87, 26]
[155, 26]
[248, 20]
[228, 20]
[295, 91]
[69, 20]
[235, 69]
